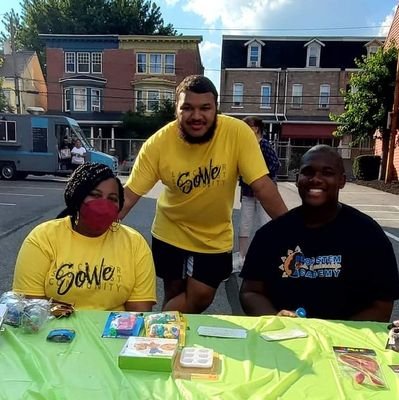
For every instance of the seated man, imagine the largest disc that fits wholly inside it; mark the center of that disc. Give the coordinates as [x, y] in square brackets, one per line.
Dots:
[325, 256]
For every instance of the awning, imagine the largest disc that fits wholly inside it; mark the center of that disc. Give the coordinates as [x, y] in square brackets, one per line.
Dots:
[307, 131]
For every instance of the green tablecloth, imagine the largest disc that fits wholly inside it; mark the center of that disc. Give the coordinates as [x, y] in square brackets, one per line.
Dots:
[32, 368]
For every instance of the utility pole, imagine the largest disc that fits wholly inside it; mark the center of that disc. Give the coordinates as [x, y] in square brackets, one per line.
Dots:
[14, 62]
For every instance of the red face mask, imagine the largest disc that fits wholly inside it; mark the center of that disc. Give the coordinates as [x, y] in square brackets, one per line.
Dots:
[99, 214]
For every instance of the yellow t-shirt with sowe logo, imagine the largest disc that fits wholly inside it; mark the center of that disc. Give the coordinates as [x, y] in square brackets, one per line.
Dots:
[100, 273]
[194, 212]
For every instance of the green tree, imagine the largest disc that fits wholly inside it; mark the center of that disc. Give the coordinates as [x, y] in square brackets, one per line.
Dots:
[141, 125]
[370, 99]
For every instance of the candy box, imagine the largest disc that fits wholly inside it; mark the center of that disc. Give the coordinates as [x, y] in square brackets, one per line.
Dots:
[123, 324]
[149, 354]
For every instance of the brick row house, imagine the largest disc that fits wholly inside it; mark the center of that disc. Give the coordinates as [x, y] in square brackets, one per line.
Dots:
[392, 37]
[292, 83]
[95, 79]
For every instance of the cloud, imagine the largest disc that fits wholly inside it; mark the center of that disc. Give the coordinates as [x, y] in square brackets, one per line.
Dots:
[232, 13]
[386, 24]
[171, 2]
[210, 51]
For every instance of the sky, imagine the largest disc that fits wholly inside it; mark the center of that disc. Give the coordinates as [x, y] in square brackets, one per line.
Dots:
[212, 19]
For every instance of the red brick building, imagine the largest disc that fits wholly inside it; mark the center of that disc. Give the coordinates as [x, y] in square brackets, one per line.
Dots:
[380, 143]
[96, 78]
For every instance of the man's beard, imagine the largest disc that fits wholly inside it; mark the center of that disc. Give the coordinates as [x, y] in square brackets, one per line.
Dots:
[206, 137]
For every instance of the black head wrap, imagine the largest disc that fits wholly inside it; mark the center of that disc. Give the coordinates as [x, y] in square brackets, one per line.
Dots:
[84, 179]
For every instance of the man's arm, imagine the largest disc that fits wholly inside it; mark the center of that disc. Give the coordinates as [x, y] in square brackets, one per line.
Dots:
[380, 311]
[131, 199]
[139, 306]
[253, 299]
[266, 192]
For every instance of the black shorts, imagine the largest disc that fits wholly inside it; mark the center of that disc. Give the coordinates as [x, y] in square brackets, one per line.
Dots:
[172, 263]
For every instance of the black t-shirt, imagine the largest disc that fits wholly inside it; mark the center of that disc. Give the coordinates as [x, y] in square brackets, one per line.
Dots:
[333, 271]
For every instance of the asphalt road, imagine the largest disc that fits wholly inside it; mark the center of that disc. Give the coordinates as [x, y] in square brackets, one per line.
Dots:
[24, 204]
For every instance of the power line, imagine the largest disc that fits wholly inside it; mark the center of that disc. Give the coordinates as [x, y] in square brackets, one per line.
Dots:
[283, 29]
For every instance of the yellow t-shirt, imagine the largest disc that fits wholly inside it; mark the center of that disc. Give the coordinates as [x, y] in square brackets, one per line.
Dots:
[195, 209]
[99, 273]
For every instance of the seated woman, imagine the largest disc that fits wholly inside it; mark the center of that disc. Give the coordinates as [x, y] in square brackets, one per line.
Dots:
[85, 256]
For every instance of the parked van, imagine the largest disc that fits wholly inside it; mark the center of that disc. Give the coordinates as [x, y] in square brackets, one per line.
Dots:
[39, 145]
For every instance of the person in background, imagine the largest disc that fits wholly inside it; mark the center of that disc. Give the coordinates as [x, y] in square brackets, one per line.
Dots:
[252, 214]
[198, 158]
[324, 256]
[85, 257]
[78, 154]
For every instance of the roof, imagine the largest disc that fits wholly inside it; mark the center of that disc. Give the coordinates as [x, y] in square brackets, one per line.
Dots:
[22, 59]
[291, 52]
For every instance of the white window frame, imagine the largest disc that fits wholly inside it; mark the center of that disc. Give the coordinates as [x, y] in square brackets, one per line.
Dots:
[297, 95]
[97, 60]
[155, 66]
[169, 67]
[140, 63]
[86, 61]
[371, 50]
[254, 62]
[95, 99]
[238, 94]
[79, 97]
[70, 59]
[67, 98]
[313, 52]
[266, 104]
[324, 97]
[7, 124]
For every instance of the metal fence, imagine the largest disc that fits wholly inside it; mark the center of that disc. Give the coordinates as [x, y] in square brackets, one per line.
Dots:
[127, 149]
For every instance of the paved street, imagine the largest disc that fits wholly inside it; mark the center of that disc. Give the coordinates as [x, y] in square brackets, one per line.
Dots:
[23, 204]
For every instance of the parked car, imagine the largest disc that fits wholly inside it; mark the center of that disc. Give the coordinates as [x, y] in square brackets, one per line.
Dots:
[127, 165]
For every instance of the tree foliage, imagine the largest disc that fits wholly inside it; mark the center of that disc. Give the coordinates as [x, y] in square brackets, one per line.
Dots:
[370, 99]
[141, 125]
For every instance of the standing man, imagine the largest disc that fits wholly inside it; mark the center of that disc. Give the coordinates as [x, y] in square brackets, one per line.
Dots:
[198, 157]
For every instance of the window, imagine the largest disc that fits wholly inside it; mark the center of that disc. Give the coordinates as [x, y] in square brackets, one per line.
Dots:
[324, 99]
[7, 131]
[169, 95]
[95, 100]
[297, 95]
[155, 64]
[152, 100]
[238, 94]
[141, 63]
[140, 103]
[67, 99]
[254, 55]
[79, 99]
[96, 63]
[265, 99]
[69, 62]
[371, 50]
[169, 63]
[313, 56]
[83, 62]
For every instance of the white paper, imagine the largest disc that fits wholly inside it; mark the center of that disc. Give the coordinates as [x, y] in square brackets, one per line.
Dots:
[222, 332]
[284, 334]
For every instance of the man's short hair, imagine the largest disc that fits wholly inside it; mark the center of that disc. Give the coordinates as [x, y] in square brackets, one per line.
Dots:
[197, 84]
[327, 150]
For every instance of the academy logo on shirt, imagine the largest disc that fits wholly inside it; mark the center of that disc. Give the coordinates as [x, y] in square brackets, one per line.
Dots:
[207, 175]
[297, 265]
